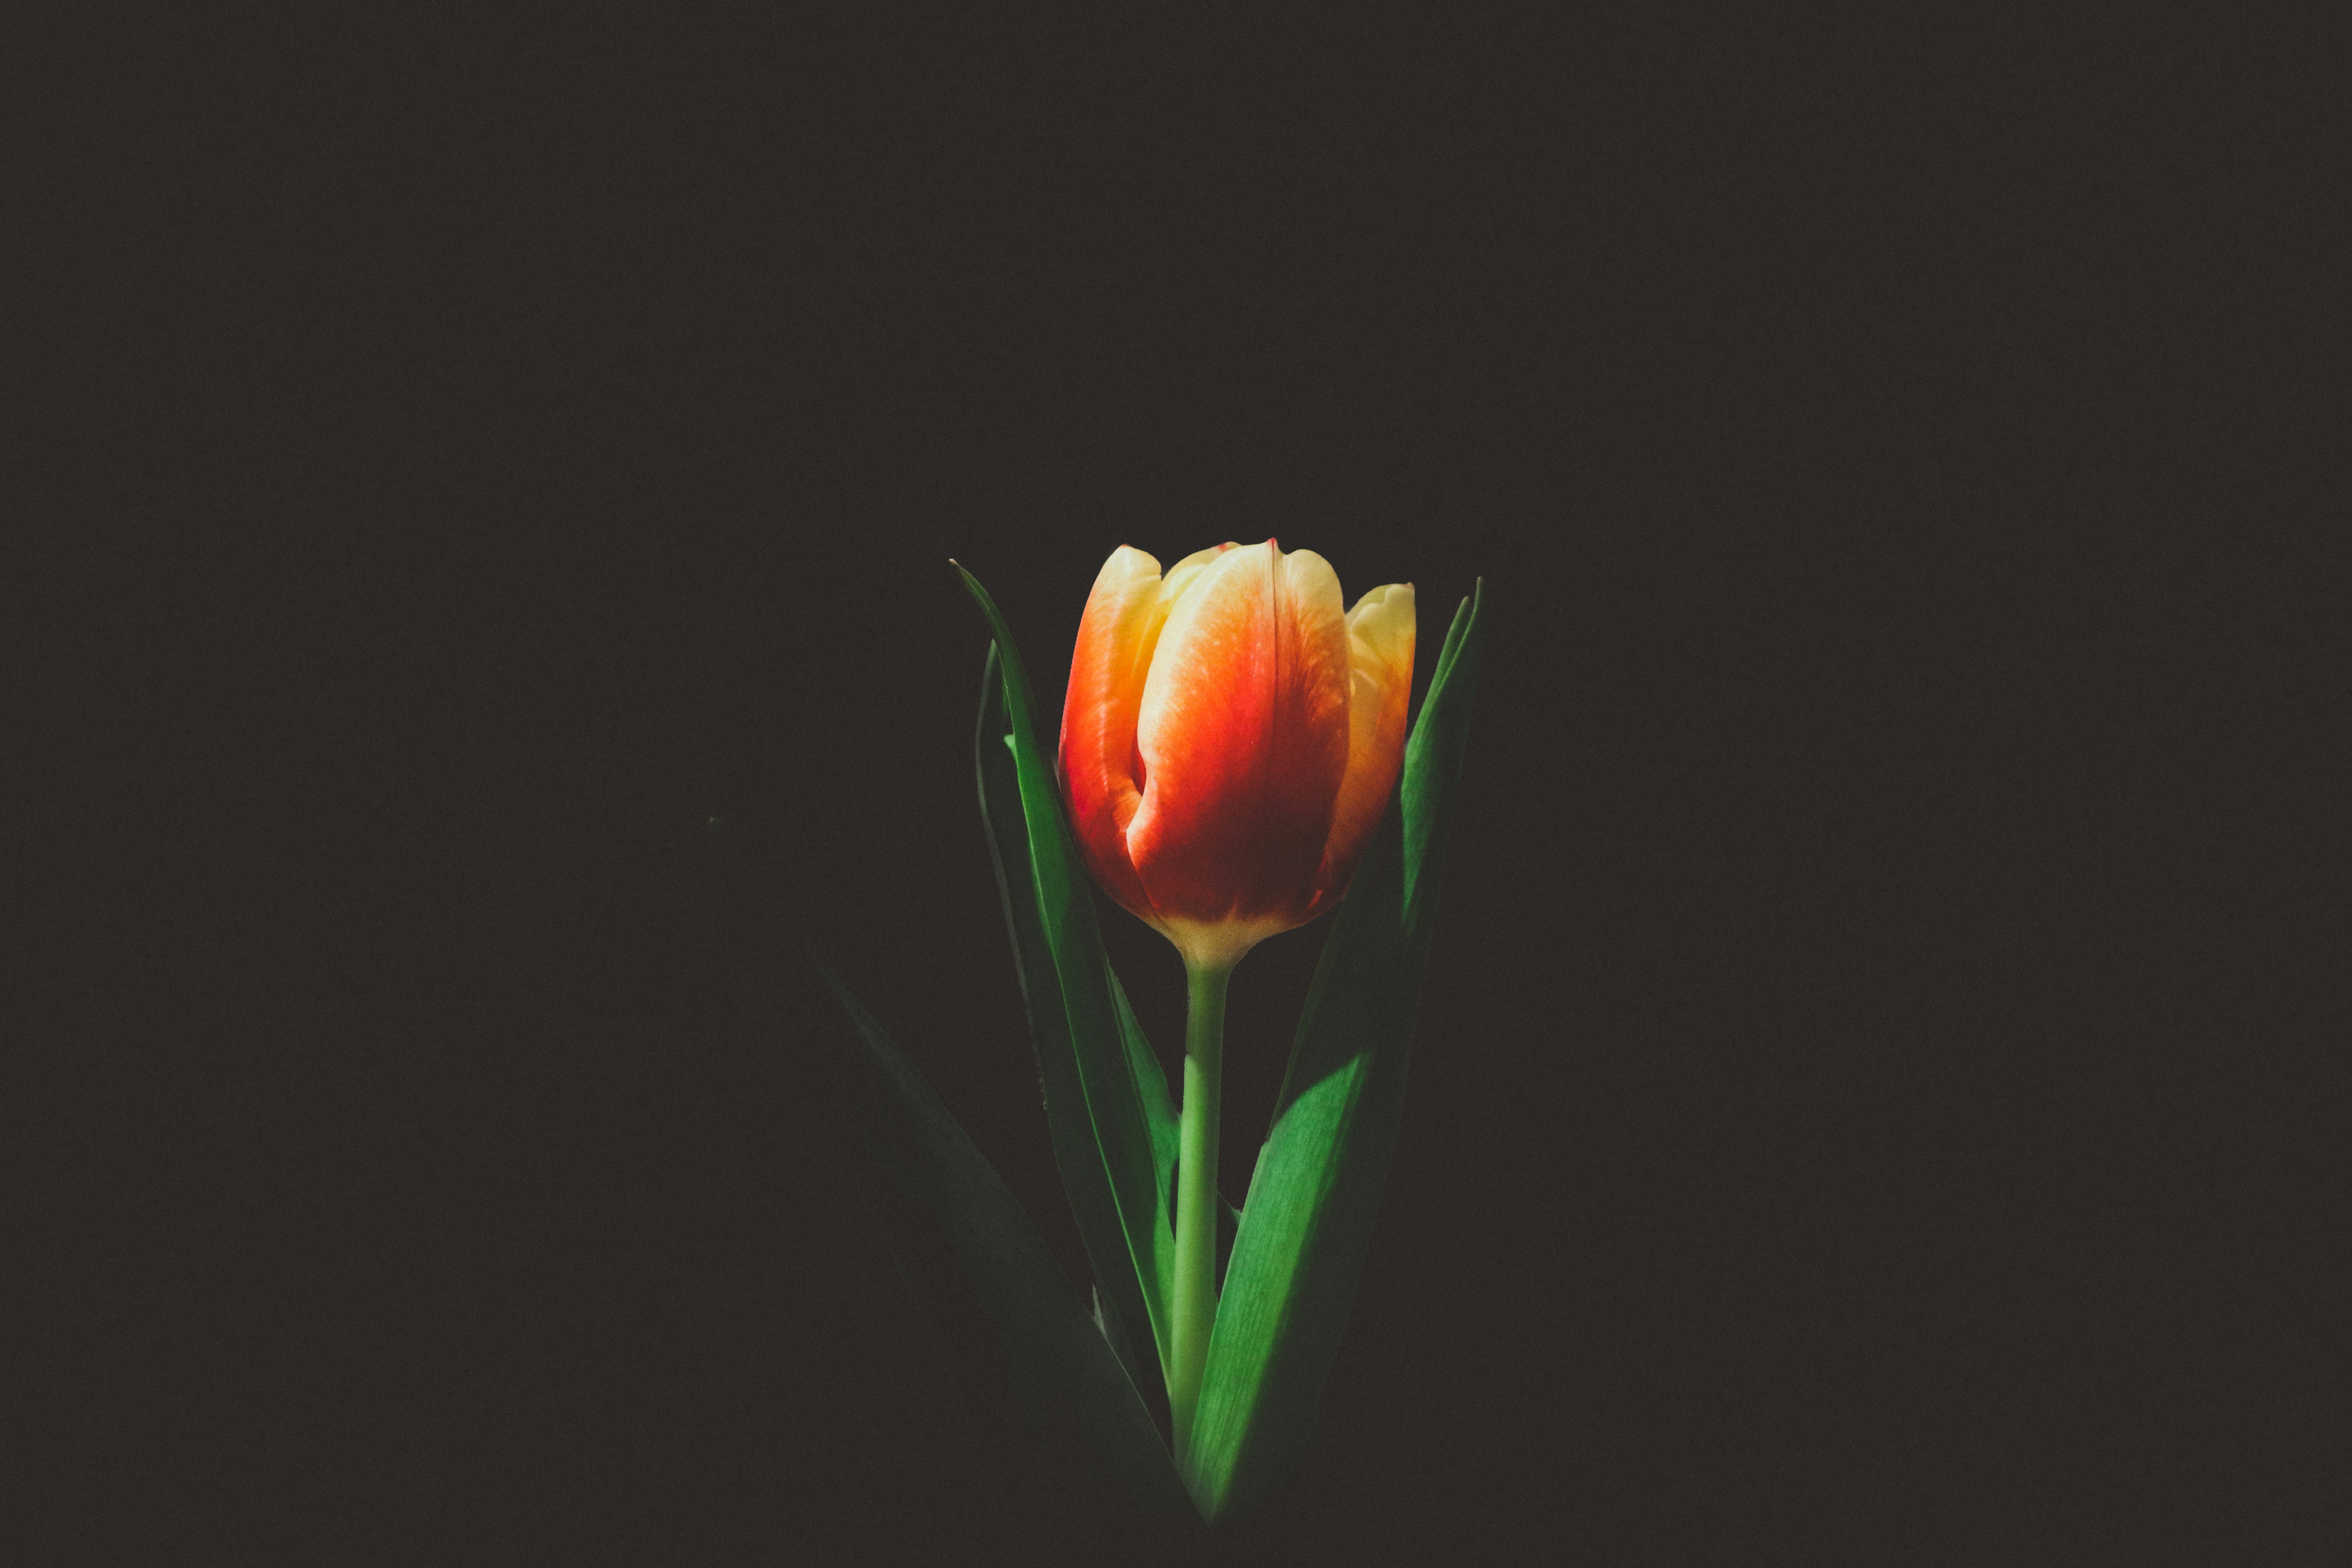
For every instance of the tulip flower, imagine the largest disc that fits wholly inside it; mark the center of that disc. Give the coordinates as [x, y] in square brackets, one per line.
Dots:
[1233, 762]
[1230, 740]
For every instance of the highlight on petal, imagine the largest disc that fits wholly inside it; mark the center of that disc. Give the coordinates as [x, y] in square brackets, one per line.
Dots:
[1243, 735]
[1187, 572]
[1380, 635]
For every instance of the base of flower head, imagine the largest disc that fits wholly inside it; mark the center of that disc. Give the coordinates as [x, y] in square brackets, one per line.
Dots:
[1219, 944]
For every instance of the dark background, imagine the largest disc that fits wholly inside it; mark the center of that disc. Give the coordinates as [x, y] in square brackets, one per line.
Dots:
[1861, 1111]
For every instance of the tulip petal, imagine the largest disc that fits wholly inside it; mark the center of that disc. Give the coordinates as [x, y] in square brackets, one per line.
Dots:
[1380, 631]
[1184, 573]
[1116, 635]
[1243, 735]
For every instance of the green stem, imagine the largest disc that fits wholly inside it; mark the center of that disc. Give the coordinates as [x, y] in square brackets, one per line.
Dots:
[1196, 1196]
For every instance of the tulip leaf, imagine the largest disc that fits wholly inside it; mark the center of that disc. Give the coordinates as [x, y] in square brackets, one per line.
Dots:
[1151, 1086]
[1307, 1219]
[1116, 1072]
[1061, 1426]
[1118, 1297]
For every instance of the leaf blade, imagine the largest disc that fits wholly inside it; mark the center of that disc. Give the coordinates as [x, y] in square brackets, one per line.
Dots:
[1111, 1076]
[1076, 1155]
[1062, 1427]
[1307, 1223]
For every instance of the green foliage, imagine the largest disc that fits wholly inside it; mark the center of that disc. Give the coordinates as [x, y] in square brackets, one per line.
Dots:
[1078, 1152]
[1308, 1217]
[1114, 1084]
[1061, 1426]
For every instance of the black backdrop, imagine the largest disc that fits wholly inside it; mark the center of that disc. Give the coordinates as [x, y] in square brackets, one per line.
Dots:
[1845, 1124]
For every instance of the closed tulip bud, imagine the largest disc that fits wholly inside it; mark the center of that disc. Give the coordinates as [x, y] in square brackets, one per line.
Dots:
[1230, 739]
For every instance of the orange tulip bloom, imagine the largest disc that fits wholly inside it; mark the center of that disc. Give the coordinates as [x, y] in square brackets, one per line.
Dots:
[1231, 738]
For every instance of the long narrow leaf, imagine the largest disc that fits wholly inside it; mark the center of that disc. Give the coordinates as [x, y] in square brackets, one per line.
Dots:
[1310, 1206]
[1060, 1425]
[1151, 1086]
[1109, 1072]
[1077, 1154]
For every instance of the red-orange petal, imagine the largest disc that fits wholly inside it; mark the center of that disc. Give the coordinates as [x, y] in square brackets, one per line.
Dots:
[1098, 756]
[1243, 733]
[1380, 635]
